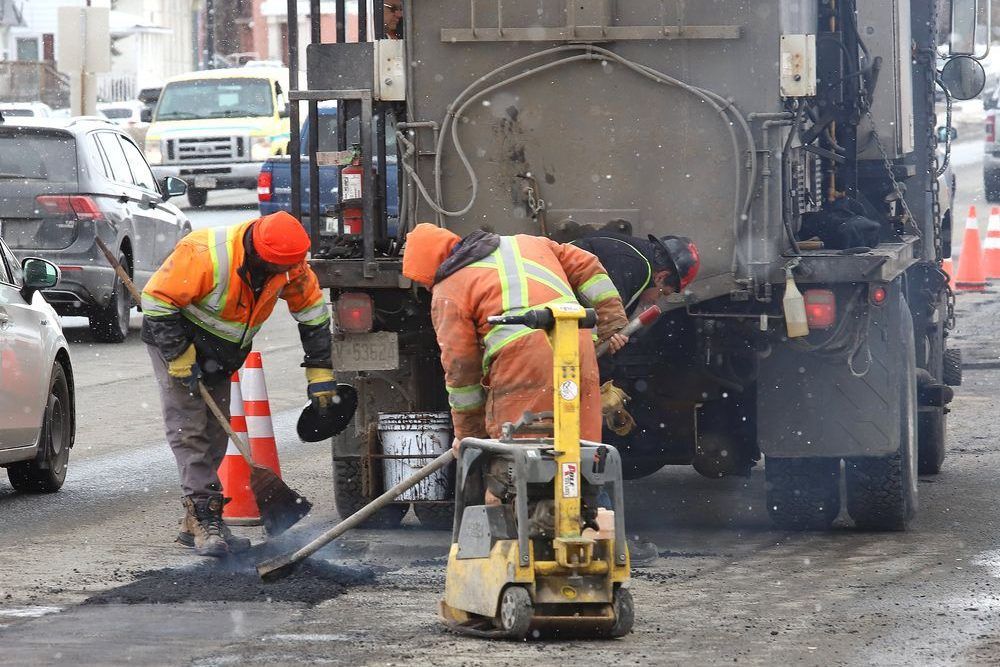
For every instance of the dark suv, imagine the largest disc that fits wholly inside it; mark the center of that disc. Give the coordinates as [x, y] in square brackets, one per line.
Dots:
[63, 181]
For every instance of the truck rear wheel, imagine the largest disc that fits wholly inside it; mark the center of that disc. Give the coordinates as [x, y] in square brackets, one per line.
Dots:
[802, 494]
[882, 492]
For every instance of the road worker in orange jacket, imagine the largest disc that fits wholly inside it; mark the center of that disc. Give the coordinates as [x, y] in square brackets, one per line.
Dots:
[201, 311]
[494, 374]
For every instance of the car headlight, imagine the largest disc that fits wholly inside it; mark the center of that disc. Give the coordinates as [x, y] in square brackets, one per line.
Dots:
[154, 154]
[260, 148]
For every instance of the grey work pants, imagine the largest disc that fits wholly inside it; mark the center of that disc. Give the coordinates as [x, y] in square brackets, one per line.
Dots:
[196, 438]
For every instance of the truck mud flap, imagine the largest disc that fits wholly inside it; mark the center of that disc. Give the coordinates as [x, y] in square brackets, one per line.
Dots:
[812, 405]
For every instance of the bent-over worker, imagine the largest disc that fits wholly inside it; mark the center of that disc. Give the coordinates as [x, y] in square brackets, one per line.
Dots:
[643, 271]
[496, 373]
[201, 311]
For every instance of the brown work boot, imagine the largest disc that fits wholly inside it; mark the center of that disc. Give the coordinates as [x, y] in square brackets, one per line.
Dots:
[202, 526]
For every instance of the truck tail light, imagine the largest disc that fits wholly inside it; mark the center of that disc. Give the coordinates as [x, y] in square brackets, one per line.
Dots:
[355, 313]
[264, 182]
[821, 308]
[991, 128]
[70, 207]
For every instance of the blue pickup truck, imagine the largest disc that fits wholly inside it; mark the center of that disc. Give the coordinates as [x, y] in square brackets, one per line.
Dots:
[274, 183]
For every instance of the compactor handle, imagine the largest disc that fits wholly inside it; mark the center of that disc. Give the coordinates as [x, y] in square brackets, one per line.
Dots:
[542, 318]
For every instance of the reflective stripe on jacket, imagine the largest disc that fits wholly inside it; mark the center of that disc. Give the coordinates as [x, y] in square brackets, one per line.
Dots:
[200, 284]
[523, 272]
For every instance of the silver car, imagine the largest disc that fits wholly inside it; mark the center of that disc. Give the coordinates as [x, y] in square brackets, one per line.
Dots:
[37, 403]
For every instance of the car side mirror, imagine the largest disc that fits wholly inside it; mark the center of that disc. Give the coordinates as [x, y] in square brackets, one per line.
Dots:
[39, 274]
[146, 115]
[944, 133]
[171, 186]
[285, 112]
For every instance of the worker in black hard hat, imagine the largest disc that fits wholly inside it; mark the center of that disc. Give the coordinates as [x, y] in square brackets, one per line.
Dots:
[643, 270]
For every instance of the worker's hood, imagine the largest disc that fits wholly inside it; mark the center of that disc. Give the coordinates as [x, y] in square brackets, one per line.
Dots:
[427, 246]
[476, 246]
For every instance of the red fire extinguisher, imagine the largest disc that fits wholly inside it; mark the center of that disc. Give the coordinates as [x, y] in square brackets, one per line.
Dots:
[351, 211]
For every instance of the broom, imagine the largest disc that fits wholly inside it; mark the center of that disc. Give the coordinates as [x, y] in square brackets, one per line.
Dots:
[280, 506]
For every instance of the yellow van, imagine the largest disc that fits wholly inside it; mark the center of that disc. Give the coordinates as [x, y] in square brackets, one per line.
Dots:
[215, 128]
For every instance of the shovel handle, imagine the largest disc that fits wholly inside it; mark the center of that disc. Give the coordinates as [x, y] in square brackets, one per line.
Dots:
[224, 423]
[120, 270]
[368, 510]
[209, 401]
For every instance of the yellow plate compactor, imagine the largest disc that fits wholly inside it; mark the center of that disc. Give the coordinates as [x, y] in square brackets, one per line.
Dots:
[516, 569]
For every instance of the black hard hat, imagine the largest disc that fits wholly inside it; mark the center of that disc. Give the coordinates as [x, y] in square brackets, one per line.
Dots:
[682, 258]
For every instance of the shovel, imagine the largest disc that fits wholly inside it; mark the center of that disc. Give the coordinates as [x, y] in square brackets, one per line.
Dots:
[280, 506]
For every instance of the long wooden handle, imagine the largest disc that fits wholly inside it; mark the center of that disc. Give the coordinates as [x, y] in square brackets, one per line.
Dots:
[209, 401]
[368, 510]
[120, 270]
[224, 423]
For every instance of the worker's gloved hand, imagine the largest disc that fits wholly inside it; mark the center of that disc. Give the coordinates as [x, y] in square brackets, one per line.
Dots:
[185, 368]
[322, 387]
[616, 417]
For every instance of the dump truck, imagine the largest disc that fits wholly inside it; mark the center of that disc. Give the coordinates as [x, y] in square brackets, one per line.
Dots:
[794, 141]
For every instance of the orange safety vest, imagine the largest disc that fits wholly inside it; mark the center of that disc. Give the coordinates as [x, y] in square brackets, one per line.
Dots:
[200, 280]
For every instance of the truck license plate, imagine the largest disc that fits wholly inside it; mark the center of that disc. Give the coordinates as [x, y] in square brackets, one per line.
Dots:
[205, 181]
[367, 352]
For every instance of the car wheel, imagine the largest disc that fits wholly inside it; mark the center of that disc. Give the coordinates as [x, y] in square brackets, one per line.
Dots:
[197, 197]
[110, 324]
[47, 472]
[991, 185]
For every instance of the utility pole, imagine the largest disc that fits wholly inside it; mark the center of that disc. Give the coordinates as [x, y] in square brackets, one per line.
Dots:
[209, 34]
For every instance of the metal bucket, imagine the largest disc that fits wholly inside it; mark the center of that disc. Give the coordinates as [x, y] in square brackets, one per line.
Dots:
[424, 435]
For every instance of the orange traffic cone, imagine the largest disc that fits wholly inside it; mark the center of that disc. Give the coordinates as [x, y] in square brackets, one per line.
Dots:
[991, 249]
[970, 276]
[258, 414]
[241, 510]
[948, 267]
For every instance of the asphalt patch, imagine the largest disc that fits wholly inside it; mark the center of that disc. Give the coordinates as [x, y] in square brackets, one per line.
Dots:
[234, 579]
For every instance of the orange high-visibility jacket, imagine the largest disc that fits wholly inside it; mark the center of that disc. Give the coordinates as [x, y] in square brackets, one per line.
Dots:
[199, 295]
[494, 373]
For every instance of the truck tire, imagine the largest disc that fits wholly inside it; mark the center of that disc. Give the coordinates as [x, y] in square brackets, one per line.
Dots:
[197, 197]
[802, 494]
[991, 184]
[952, 375]
[882, 491]
[348, 498]
[932, 427]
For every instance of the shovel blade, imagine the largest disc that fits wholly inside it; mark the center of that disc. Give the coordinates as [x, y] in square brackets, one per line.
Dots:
[280, 506]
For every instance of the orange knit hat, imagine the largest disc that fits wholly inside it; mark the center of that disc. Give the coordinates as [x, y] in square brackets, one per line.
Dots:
[427, 246]
[280, 239]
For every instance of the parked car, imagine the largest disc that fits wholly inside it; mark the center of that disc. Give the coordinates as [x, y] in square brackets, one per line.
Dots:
[274, 183]
[25, 110]
[64, 181]
[128, 116]
[37, 402]
[124, 114]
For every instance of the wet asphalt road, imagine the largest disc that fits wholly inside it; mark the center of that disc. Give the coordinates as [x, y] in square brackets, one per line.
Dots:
[726, 588]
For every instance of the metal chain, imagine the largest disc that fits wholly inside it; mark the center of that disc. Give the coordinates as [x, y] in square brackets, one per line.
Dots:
[887, 163]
